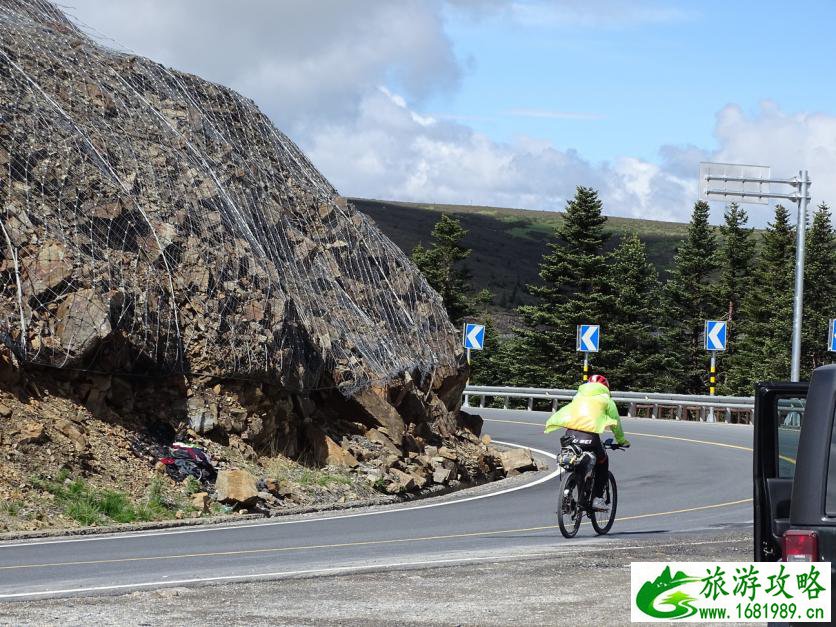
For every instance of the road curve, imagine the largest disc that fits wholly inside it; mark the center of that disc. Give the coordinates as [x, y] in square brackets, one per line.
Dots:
[678, 477]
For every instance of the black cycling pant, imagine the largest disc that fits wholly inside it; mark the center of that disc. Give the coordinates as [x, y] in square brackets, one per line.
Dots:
[592, 442]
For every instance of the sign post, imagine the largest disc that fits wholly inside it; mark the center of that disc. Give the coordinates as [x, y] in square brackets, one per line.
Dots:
[588, 340]
[474, 338]
[716, 338]
[754, 184]
[831, 340]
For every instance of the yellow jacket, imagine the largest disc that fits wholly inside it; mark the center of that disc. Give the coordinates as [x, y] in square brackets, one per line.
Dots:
[592, 410]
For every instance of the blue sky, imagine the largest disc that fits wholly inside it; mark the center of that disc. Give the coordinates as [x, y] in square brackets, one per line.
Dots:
[515, 102]
[637, 84]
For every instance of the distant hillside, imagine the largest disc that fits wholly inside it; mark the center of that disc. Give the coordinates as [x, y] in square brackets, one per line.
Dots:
[507, 244]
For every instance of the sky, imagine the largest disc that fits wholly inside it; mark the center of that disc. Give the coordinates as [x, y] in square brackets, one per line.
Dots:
[515, 102]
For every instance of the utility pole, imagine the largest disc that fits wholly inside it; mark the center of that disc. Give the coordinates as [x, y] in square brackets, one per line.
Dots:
[752, 184]
[798, 300]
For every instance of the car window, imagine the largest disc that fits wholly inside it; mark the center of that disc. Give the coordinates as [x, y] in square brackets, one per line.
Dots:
[790, 414]
[830, 498]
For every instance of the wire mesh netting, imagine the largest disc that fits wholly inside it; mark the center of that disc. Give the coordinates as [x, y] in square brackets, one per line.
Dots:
[152, 218]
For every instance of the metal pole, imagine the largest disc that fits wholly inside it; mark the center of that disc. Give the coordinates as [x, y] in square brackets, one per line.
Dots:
[798, 298]
[585, 367]
[712, 379]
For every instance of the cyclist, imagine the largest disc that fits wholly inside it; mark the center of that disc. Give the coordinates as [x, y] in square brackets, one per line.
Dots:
[585, 418]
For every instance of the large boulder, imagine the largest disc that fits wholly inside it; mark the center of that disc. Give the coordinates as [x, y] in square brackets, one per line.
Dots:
[168, 214]
[327, 452]
[82, 319]
[236, 487]
[160, 223]
[517, 460]
[373, 407]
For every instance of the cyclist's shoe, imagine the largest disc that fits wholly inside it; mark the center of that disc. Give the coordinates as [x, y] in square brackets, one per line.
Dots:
[600, 505]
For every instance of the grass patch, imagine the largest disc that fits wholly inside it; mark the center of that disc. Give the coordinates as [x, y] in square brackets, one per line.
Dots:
[11, 508]
[281, 470]
[192, 486]
[89, 505]
[323, 479]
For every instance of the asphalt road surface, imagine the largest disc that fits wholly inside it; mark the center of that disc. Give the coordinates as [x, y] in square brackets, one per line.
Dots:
[678, 477]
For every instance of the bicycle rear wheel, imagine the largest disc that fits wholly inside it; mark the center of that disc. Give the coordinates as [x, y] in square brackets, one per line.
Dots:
[602, 521]
[569, 511]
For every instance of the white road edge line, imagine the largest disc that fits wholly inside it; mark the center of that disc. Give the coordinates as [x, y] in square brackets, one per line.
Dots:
[168, 532]
[325, 571]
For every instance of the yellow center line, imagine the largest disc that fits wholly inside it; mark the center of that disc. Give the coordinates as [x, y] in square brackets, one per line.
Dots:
[473, 534]
[653, 435]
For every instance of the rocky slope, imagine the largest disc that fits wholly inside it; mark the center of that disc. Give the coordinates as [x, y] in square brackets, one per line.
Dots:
[171, 263]
[70, 439]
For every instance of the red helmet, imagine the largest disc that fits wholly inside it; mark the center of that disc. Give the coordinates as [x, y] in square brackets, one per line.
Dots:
[599, 378]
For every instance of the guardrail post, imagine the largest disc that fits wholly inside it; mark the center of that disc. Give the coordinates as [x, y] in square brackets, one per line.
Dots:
[554, 405]
[728, 415]
[482, 401]
[531, 403]
[678, 414]
[505, 402]
[466, 400]
[655, 413]
[631, 410]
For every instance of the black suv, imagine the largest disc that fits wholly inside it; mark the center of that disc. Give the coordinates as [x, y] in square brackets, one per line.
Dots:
[795, 470]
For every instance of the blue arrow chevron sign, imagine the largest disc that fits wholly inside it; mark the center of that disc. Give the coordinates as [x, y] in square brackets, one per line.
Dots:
[589, 338]
[716, 335]
[474, 336]
[831, 345]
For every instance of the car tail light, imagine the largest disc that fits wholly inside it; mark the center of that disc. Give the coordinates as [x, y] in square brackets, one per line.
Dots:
[801, 545]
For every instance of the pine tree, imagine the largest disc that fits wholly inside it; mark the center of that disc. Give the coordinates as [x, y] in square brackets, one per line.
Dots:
[690, 299]
[819, 290]
[762, 340]
[632, 358]
[443, 266]
[736, 257]
[569, 294]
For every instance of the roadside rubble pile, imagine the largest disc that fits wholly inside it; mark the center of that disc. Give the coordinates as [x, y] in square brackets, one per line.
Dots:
[108, 432]
[170, 262]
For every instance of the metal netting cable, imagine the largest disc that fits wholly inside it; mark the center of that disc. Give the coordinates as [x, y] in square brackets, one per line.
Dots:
[154, 209]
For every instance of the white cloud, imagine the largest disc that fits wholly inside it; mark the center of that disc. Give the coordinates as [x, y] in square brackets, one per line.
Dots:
[788, 142]
[302, 62]
[386, 153]
[325, 71]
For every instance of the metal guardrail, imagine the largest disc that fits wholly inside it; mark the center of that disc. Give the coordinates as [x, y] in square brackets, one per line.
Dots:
[678, 406]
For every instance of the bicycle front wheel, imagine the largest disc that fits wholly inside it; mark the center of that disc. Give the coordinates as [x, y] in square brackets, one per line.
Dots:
[569, 511]
[602, 520]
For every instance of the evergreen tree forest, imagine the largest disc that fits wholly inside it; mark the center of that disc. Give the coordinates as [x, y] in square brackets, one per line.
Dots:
[652, 327]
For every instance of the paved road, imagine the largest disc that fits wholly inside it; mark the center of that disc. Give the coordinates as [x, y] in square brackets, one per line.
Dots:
[677, 477]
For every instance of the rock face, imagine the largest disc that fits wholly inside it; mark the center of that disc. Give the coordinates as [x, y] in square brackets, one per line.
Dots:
[149, 209]
[157, 223]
